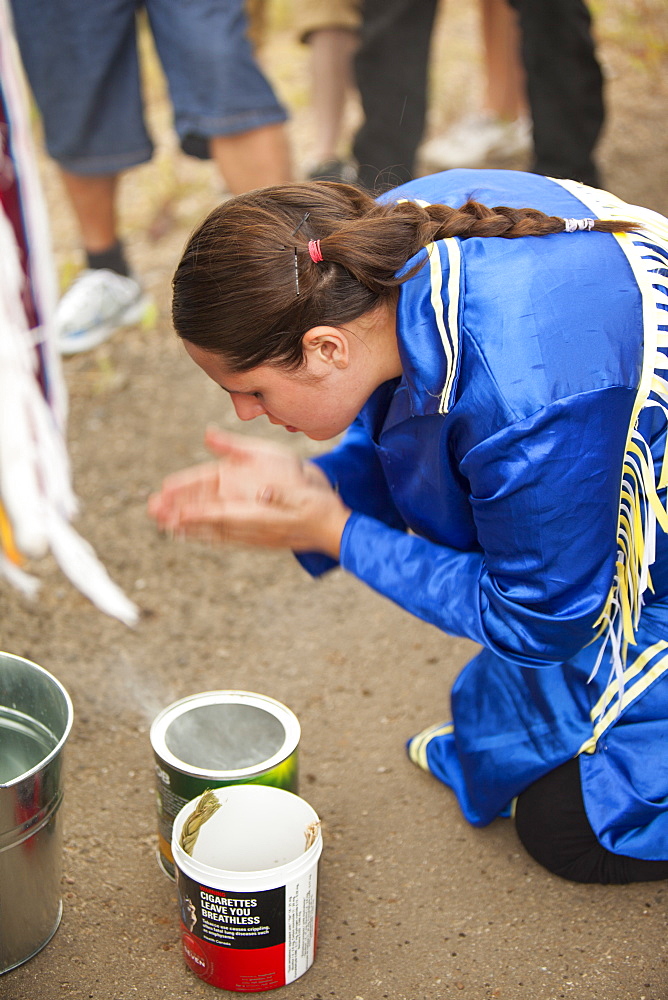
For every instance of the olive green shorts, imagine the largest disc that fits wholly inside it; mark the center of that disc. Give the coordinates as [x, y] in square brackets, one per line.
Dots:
[312, 15]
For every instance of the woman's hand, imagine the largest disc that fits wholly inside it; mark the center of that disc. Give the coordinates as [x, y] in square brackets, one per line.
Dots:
[258, 493]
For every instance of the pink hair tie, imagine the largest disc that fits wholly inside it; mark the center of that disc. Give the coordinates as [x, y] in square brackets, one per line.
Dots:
[315, 251]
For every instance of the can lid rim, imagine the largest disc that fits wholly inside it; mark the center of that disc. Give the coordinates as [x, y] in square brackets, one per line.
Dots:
[281, 712]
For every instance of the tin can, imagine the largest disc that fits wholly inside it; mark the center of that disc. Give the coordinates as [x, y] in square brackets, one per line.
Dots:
[214, 739]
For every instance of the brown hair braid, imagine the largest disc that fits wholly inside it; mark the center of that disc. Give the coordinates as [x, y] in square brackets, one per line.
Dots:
[235, 292]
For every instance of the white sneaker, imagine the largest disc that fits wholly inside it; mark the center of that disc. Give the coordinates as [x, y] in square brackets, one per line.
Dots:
[96, 304]
[475, 140]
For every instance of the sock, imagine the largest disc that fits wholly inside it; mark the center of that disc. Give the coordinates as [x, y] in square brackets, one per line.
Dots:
[113, 258]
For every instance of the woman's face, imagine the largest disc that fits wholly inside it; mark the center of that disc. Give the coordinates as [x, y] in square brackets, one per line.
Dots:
[321, 399]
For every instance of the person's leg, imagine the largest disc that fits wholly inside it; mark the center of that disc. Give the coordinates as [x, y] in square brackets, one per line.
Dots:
[331, 57]
[94, 202]
[505, 84]
[331, 30]
[499, 131]
[552, 825]
[105, 297]
[565, 87]
[391, 67]
[253, 159]
[223, 104]
[81, 62]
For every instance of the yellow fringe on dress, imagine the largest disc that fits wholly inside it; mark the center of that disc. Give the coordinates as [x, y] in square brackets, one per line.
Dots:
[640, 508]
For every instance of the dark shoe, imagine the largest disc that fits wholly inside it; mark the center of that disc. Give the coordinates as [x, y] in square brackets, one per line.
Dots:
[333, 170]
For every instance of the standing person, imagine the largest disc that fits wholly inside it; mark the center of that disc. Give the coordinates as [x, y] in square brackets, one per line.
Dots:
[503, 475]
[82, 63]
[564, 87]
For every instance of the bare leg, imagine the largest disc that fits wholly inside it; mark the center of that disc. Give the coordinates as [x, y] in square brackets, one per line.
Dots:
[500, 130]
[505, 91]
[105, 297]
[253, 159]
[332, 51]
[94, 202]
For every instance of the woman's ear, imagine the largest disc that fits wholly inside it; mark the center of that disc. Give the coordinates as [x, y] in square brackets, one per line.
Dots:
[326, 346]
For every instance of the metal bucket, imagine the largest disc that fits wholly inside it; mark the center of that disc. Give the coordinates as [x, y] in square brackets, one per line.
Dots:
[35, 721]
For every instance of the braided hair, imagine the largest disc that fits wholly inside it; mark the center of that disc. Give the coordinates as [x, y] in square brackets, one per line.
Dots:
[248, 287]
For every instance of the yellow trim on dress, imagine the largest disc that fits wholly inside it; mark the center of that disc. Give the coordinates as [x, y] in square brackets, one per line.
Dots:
[640, 509]
[417, 747]
[629, 695]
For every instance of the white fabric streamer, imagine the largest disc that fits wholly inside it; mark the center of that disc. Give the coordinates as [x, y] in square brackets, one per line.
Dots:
[35, 477]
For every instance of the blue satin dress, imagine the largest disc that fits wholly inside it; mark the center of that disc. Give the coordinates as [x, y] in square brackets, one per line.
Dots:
[510, 488]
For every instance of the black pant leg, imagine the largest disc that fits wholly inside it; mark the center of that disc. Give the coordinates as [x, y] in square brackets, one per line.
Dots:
[391, 68]
[564, 85]
[553, 827]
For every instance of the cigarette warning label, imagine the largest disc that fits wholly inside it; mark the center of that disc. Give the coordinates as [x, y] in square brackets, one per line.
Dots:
[248, 941]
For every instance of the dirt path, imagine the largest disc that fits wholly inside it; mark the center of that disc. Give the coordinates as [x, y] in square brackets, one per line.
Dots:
[414, 903]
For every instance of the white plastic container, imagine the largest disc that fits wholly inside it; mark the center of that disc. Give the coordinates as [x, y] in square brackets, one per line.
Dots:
[248, 894]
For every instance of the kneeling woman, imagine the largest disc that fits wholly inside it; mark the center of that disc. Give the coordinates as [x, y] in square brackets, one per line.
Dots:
[500, 374]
